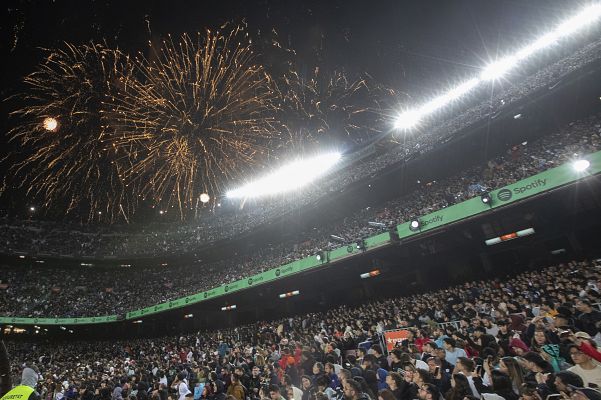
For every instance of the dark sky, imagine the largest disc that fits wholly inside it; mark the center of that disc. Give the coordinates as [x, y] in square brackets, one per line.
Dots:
[414, 46]
[401, 43]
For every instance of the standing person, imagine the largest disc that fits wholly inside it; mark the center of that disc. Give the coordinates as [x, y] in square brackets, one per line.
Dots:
[180, 386]
[25, 390]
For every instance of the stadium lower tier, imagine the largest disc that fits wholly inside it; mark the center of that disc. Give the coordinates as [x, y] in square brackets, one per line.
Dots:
[533, 333]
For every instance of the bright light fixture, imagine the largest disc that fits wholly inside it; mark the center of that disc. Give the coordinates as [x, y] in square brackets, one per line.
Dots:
[585, 17]
[498, 68]
[289, 177]
[50, 124]
[581, 165]
[407, 120]
[205, 198]
[411, 118]
[450, 96]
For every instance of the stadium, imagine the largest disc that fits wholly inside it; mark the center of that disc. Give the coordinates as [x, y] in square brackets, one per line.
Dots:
[301, 201]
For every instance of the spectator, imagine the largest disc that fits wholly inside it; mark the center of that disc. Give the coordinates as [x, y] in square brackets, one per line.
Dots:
[452, 353]
[585, 368]
[460, 388]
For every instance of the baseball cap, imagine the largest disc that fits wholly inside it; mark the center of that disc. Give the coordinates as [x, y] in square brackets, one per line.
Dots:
[582, 335]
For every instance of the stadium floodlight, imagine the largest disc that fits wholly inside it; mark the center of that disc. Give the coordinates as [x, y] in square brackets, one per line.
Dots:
[581, 165]
[205, 198]
[407, 120]
[289, 177]
[414, 225]
[500, 67]
[486, 198]
[410, 118]
[443, 100]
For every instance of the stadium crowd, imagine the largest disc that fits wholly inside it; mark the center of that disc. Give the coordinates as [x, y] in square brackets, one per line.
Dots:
[525, 337]
[52, 238]
[57, 292]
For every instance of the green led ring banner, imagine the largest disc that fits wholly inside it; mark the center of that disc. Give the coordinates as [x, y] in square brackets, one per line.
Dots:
[539, 183]
[276, 273]
[58, 321]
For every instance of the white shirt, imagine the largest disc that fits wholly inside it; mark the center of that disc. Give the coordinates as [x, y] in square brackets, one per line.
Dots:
[297, 393]
[470, 380]
[182, 390]
[588, 375]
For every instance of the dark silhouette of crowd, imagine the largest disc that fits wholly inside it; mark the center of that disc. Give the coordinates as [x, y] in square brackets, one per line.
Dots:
[68, 292]
[527, 337]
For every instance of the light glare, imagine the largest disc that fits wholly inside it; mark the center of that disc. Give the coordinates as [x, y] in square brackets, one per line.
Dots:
[581, 165]
[290, 177]
[407, 120]
[499, 68]
[205, 198]
[410, 118]
[50, 124]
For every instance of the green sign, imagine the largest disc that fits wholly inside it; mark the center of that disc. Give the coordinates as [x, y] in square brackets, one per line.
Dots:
[547, 180]
[58, 321]
[539, 183]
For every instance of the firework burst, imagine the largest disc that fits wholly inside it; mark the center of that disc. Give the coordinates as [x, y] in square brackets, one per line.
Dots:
[65, 158]
[329, 107]
[201, 112]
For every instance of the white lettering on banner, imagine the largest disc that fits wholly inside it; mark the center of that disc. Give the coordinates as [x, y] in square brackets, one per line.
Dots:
[537, 183]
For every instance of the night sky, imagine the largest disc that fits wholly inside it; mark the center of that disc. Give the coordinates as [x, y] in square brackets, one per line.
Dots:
[413, 47]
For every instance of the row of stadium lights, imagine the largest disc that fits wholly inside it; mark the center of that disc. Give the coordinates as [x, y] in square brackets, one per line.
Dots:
[304, 171]
[496, 70]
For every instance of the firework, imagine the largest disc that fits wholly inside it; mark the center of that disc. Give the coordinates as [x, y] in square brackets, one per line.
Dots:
[65, 158]
[201, 112]
[329, 107]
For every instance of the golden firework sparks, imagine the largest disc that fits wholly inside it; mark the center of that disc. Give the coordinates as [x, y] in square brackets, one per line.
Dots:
[66, 158]
[201, 112]
[329, 107]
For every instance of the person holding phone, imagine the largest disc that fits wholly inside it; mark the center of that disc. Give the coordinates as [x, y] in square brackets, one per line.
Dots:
[460, 388]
